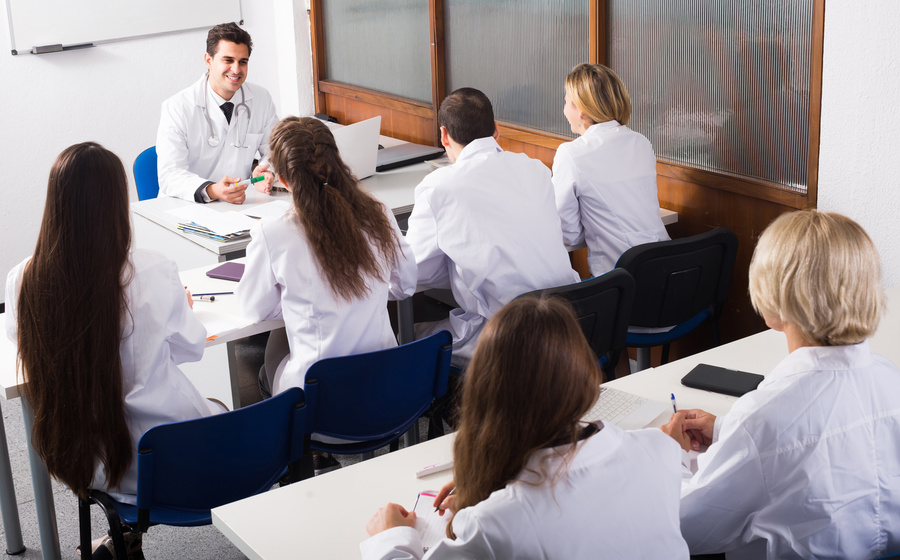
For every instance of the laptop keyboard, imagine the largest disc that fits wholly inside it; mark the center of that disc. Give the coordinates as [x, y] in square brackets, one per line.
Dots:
[613, 405]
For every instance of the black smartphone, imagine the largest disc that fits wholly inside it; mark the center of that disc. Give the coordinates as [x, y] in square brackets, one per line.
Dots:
[721, 380]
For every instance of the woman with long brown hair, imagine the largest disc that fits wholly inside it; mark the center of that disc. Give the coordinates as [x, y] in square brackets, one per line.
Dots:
[531, 480]
[328, 265]
[99, 330]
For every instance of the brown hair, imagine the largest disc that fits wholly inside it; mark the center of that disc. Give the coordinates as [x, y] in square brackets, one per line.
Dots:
[531, 379]
[70, 315]
[599, 93]
[227, 32]
[341, 221]
[467, 115]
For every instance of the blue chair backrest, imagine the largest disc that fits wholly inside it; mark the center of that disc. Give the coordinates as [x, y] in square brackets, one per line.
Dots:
[375, 395]
[146, 177]
[200, 464]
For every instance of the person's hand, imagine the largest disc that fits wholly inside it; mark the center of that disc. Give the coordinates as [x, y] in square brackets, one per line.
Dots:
[227, 190]
[264, 186]
[190, 299]
[699, 425]
[444, 501]
[388, 517]
[675, 429]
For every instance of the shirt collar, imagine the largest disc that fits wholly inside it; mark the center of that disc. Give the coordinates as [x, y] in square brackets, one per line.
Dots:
[821, 358]
[217, 99]
[479, 145]
[601, 127]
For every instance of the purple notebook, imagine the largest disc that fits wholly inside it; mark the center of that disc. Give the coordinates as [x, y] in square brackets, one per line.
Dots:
[228, 271]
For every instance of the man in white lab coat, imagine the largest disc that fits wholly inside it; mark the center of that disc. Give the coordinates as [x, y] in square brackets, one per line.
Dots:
[210, 133]
[485, 227]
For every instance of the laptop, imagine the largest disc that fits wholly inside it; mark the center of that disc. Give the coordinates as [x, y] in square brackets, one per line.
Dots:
[627, 411]
[407, 153]
[358, 145]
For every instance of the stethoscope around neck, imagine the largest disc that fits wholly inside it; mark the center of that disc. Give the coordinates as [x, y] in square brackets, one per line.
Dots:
[213, 140]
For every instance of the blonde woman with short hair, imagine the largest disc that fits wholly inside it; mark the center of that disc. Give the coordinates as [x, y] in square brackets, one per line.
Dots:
[605, 181]
[807, 465]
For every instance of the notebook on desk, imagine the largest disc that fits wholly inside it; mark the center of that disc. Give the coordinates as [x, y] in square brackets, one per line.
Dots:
[406, 154]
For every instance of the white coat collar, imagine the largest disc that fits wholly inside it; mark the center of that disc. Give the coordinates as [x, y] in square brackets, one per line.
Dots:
[820, 358]
[477, 146]
[600, 128]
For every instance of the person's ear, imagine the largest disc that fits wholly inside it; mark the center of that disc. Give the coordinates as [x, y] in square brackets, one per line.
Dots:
[282, 181]
[445, 137]
[496, 131]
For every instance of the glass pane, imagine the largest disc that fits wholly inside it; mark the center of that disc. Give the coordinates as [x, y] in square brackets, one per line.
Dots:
[719, 84]
[518, 53]
[381, 45]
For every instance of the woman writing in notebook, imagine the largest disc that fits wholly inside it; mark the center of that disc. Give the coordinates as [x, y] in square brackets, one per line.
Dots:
[531, 480]
[326, 266]
[605, 181]
[100, 329]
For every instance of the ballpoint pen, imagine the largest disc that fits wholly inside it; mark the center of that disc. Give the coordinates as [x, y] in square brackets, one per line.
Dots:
[672, 397]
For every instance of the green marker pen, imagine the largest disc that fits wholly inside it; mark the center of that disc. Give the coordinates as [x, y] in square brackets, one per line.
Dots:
[250, 181]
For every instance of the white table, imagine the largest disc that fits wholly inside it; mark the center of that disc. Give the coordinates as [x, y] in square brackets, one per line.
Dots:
[325, 517]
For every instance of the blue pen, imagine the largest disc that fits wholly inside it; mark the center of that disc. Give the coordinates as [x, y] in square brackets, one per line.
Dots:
[674, 408]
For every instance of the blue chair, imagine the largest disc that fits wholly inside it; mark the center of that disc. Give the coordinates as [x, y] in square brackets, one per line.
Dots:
[371, 399]
[146, 177]
[187, 468]
[680, 284]
[603, 307]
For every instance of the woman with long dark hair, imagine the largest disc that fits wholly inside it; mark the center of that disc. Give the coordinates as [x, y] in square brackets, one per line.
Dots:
[100, 329]
[532, 480]
[327, 265]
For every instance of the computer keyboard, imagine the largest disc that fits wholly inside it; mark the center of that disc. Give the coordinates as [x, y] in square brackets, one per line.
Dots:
[613, 406]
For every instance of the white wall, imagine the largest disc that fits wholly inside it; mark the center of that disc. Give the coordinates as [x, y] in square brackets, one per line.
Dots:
[859, 166]
[112, 94]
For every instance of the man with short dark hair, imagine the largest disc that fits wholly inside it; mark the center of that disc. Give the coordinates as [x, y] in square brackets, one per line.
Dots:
[485, 227]
[210, 133]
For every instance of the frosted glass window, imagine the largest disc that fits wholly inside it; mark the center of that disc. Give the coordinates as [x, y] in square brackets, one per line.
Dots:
[518, 53]
[721, 85]
[384, 45]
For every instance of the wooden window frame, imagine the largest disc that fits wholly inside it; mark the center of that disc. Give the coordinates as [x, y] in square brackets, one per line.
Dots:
[417, 121]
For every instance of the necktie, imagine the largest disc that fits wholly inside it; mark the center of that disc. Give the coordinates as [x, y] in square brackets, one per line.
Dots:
[227, 108]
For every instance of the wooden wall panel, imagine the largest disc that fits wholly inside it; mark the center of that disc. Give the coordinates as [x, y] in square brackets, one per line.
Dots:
[395, 123]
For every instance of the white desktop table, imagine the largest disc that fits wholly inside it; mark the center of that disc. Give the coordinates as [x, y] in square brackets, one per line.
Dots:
[325, 517]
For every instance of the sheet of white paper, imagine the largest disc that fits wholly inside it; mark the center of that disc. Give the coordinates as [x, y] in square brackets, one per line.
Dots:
[217, 324]
[430, 524]
[268, 210]
[222, 223]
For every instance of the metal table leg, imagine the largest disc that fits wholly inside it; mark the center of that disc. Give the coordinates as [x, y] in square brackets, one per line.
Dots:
[405, 320]
[9, 509]
[43, 492]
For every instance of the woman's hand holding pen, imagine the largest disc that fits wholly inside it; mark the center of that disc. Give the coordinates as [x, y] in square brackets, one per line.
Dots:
[390, 516]
[692, 429]
[445, 499]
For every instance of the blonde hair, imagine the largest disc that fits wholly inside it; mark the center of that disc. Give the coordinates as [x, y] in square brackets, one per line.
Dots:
[820, 271]
[599, 93]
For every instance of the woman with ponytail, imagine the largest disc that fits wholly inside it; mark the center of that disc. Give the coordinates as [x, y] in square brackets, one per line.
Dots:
[327, 266]
[99, 329]
[531, 479]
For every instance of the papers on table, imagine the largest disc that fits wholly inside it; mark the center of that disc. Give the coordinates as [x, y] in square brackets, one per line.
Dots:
[218, 324]
[430, 524]
[268, 210]
[224, 226]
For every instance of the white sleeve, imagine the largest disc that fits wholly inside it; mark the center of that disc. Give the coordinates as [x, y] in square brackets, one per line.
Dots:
[718, 501]
[403, 543]
[175, 179]
[258, 293]
[404, 271]
[13, 283]
[565, 181]
[185, 334]
[422, 236]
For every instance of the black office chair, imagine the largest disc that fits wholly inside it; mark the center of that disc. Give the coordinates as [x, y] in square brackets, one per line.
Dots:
[679, 284]
[603, 307]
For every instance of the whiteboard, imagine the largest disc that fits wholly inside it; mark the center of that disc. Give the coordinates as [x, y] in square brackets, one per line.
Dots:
[34, 23]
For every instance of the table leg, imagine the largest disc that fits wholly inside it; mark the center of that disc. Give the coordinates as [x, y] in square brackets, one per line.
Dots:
[405, 320]
[9, 509]
[43, 492]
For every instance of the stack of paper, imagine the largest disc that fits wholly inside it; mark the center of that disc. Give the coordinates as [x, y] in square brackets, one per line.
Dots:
[221, 226]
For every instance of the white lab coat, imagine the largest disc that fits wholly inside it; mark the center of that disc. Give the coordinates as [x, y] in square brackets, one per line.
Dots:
[605, 183]
[160, 331]
[618, 500]
[485, 227]
[806, 466]
[282, 279]
[186, 160]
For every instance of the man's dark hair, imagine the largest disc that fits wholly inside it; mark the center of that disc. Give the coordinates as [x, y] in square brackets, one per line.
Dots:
[467, 115]
[228, 32]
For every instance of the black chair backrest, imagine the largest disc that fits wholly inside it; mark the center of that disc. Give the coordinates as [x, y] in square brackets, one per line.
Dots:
[603, 307]
[675, 280]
